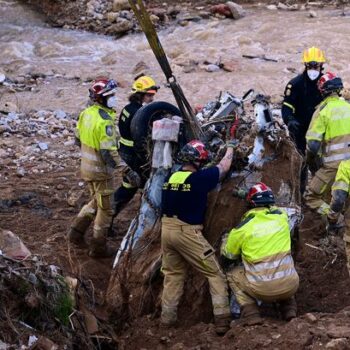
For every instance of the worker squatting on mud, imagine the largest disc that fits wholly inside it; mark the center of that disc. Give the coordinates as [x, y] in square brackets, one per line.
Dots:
[328, 140]
[184, 200]
[144, 89]
[262, 241]
[96, 136]
[339, 203]
[301, 97]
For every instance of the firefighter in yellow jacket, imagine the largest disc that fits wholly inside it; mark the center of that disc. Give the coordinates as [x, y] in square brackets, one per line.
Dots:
[262, 240]
[339, 203]
[328, 141]
[96, 136]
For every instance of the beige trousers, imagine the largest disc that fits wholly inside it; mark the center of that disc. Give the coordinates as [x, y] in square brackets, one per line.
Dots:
[183, 245]
[319, 188]
[100, 209]
[246, 293]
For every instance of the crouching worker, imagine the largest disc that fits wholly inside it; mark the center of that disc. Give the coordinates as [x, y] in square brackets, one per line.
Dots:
[262, 240]
[340, 202]
[99, 157]
[184, 201]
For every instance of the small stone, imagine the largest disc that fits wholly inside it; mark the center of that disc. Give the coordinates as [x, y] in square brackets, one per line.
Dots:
[112, 17]
[60, 187]
[212, 68]
[59, 114]
[149, 333]
[338, 344]
[20, 172]
[229, 66]
[310, 317]
[155, 19]
[165, 340]
[119, 5]
[2, 78]
[282, 6]
[312, 14]
[271, 7]
[75, 198]
[43, 146]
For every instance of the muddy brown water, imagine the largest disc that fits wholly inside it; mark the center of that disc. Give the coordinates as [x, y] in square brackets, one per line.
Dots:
[70, 58]
[28, 45]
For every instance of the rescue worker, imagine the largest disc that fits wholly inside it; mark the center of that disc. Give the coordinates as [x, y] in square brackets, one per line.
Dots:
[328, 141]
[143, 91]
[96, 136]
[184, 201]
[339, 202]
[262, 241]
[301, 96]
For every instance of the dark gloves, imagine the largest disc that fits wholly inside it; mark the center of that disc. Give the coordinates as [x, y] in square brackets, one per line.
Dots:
[293, 126]
[314, 161]
[132, 177]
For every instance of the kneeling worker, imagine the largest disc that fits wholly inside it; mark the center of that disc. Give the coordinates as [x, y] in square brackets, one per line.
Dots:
[184, 201]
[340, 194]
[262, 241]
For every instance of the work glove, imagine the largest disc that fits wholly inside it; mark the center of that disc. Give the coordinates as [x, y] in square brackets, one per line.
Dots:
[293, 126]
[335, 222]
[314, 161]
[132, 177]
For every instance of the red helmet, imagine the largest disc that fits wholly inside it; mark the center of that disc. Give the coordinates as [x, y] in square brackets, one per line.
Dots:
[260, 195]
[102, 87]
[328, 83]
[194, 151]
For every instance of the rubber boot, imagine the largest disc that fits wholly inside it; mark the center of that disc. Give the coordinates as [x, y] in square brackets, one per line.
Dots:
[77, 230]
[250, 315]
[99, 248]
[288, 309]
[222, 323]
[75, 236]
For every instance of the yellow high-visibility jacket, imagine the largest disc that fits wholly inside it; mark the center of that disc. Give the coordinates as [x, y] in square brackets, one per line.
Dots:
[262, 240]
[96, 132]
[330, 125]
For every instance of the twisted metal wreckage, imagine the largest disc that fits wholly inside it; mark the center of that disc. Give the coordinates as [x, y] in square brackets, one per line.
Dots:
[265, 153]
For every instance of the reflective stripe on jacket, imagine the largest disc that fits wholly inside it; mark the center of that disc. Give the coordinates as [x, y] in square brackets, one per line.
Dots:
[96, 131]
[331, 125]
[263, 241]
[342, 179]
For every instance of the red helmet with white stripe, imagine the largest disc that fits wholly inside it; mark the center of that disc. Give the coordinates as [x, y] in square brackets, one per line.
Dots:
[260, 195]
[194, 151]
[328, 83]
[102, 87]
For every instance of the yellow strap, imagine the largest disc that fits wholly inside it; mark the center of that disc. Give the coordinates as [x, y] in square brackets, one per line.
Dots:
[290, 106]
[179, 177]
[126, 142]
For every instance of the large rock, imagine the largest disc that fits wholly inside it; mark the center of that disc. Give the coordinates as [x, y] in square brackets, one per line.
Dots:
[12, 246]
[121, 27]
[119, 5]
[236, 10]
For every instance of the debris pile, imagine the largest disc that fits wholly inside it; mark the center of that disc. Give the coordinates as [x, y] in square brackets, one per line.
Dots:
[27, 139]
[40, 308]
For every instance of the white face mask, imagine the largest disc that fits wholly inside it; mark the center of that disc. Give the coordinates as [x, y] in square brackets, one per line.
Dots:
[112, 102]
[313, 74]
